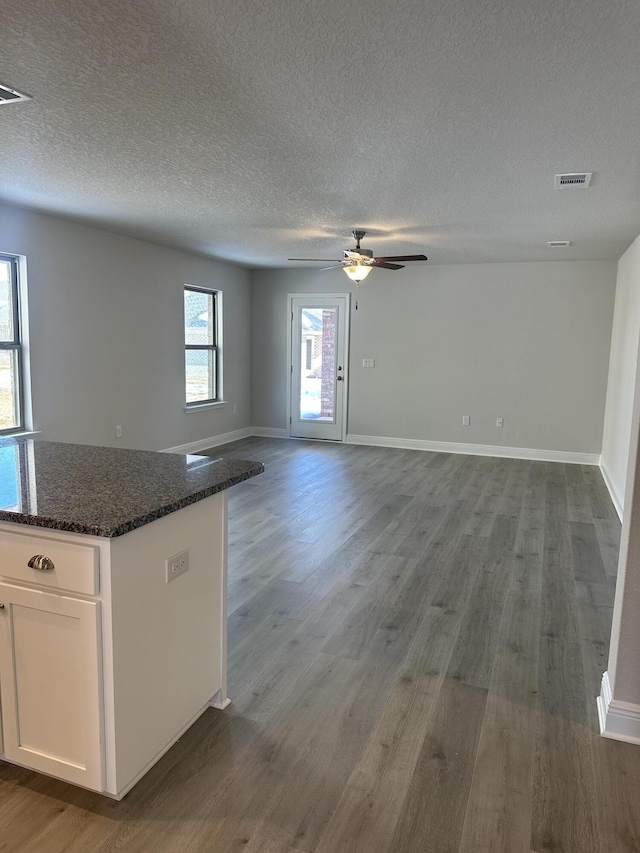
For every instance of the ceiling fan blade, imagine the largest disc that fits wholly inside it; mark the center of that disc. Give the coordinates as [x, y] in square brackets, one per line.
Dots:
[334, 267]
[403, 258]
[386, 266]
[322, 260]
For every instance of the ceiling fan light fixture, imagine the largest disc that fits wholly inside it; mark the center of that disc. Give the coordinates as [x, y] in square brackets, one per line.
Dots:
[357, 262]
[357, 272]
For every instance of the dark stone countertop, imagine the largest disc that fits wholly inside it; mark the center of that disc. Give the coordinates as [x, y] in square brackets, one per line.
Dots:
[105, 491]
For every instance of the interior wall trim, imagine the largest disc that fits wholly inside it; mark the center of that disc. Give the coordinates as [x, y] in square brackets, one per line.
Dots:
[212, 441]
[616, 498]
[618, 720]
[269, 432]
[405, 444]
[477, 449]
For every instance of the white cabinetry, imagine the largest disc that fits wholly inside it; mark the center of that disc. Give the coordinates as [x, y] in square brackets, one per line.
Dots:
[103, 664]
[51, 673]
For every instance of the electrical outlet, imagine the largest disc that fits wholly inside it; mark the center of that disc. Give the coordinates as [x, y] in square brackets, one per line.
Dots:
[118, 431]
[235, 409]
[368, 362]
[499, 422]
[466, 420]
[176, 565]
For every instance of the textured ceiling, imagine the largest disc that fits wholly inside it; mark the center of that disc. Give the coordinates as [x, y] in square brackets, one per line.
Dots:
[258, 131]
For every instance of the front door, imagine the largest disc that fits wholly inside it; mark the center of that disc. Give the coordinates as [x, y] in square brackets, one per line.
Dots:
[318, 356]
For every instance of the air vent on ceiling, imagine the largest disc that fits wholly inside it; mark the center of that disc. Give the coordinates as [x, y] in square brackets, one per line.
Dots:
[572, 180]
[558, 244]
[10, 96]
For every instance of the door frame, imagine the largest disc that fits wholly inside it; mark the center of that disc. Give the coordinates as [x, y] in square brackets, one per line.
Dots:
[345, 384]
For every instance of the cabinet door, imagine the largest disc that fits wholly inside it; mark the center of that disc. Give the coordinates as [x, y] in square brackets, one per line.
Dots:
[50, 677]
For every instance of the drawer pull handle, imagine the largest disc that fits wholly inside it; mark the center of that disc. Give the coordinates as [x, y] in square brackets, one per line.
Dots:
[41, 563]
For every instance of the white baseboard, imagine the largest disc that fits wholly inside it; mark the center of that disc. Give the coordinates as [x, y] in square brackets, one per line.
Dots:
[212, 441]
[405, 444]
[618, 720]
[476, 449]
[616, 497]
[270, 432]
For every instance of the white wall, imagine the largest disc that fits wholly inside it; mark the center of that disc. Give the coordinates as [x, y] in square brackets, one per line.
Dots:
[106, 331]
[527, 342]
[622, 373]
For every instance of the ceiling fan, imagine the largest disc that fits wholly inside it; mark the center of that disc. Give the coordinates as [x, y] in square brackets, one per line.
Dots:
[358, 263]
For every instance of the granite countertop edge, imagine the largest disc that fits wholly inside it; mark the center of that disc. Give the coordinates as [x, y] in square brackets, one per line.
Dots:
[111, 531]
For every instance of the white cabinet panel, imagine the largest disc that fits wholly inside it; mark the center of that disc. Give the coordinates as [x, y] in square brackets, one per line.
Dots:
[50, 674]
[95, 690]
[75, 567]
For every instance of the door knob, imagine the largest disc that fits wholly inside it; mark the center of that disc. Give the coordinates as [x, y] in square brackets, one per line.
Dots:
[1, 606]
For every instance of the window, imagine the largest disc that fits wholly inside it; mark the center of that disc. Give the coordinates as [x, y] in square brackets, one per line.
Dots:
[11, 357]
[202, 314]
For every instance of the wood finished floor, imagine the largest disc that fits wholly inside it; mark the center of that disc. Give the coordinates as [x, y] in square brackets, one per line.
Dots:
[416, 642]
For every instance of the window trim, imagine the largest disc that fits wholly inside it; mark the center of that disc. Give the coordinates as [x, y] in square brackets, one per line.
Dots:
[215, 347]
[17, 344]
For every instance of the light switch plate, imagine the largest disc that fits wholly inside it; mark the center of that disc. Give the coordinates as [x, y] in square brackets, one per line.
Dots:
[368, 362]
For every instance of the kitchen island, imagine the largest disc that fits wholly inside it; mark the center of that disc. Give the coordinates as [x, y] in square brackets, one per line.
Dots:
[112, 605]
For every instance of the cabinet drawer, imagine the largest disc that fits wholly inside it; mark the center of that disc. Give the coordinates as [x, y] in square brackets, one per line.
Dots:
[75, 566]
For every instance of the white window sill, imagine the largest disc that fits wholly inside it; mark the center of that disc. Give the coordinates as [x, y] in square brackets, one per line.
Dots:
[200, 407]
[28, 433]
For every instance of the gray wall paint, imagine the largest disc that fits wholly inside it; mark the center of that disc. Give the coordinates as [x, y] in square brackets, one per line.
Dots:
[622, 371]
[107, 336]
[623, 669]
[528, 342]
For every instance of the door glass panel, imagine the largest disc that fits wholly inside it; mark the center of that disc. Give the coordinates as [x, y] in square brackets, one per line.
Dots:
[318, 328]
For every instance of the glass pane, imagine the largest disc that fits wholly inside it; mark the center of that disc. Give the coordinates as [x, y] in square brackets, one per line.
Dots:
[213, 372]
[318, 364]
[198, 318]
[200, 375]
[6, 305]
[9, 400]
